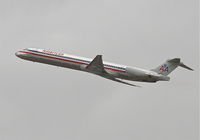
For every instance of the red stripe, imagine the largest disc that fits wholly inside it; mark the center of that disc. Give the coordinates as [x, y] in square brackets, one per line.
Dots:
[67, 60]
[114, 69]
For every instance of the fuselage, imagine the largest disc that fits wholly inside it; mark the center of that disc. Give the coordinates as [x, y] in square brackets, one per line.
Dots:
[80, 63]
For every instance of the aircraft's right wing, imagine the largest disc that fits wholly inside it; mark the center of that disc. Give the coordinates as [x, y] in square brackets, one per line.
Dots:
[120, 81]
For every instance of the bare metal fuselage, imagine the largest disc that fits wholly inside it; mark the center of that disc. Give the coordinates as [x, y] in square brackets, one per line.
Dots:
[80, 63]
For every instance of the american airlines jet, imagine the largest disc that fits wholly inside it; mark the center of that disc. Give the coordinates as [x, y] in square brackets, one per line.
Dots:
[111, 71]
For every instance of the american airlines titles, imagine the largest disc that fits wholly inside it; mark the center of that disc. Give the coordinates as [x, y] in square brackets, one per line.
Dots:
[54, 53]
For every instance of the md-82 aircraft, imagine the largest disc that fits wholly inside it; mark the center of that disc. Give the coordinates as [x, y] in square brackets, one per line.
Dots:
[97, 66]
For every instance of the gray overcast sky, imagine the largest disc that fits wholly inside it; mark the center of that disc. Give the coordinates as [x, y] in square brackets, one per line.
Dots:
[43, 102]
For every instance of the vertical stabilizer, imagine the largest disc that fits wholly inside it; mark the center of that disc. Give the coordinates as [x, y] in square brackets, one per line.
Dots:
[167, 67]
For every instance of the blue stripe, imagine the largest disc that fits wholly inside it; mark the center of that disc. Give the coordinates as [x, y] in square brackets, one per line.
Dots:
[85, 61]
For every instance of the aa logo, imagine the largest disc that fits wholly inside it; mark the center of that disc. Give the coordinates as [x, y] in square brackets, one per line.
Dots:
[164, 68]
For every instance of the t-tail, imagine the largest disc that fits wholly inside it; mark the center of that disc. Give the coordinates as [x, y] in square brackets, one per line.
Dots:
[170, 65]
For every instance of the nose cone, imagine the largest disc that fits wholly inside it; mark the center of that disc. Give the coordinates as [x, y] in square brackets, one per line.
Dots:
[18, 54]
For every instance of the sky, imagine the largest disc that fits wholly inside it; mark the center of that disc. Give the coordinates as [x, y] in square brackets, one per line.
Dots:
[44, 102]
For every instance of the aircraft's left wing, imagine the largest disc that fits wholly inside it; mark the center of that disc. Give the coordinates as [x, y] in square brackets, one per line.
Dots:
[97, 67]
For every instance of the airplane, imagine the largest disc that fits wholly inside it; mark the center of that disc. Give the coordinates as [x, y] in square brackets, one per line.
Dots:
[97, 66]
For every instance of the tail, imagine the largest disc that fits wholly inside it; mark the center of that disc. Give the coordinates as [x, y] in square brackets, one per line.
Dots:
[170, 65]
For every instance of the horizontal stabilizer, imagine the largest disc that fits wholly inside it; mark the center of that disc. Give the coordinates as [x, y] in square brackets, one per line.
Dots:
[184, 66]
[170, 65]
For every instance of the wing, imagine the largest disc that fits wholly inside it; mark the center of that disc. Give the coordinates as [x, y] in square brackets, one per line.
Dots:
[97, 67]
[120, 81]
